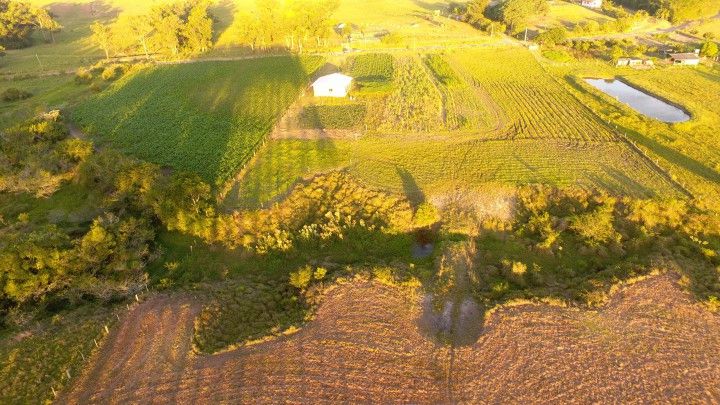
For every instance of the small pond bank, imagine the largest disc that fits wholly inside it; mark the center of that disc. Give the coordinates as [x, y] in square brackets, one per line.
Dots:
[640, 101]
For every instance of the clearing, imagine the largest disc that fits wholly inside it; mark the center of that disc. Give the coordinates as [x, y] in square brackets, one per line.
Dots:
[652, 340]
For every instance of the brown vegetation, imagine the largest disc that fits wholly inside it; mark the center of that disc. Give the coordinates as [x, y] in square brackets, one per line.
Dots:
[650, 342]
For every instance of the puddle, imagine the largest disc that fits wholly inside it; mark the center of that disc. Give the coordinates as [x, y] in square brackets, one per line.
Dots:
[640, 101]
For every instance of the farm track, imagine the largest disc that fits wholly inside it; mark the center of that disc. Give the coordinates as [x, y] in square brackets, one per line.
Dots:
[650, 342]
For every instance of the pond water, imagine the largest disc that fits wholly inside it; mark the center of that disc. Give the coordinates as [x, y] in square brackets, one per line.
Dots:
[639, 101]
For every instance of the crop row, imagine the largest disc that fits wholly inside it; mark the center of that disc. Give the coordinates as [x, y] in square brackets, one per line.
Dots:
[536, 106]
[206, 118]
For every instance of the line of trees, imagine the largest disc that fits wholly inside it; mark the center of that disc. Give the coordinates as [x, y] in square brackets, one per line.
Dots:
[18, 22]
[511, 15]
[294, 24]
[171, 30]
[675, 10]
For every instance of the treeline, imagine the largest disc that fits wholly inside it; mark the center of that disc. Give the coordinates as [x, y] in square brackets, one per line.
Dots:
[294, 24]
[181, 28]
[675, 10]
[18, 22]
[509, 15]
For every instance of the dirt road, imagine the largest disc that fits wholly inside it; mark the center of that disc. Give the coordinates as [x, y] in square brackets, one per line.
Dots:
[652, 342]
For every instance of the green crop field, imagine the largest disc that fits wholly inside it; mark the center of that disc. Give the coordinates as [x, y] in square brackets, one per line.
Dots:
[206, 117]
[534, 104]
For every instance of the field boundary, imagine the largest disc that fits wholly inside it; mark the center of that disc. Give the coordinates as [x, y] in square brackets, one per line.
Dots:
[622, 137]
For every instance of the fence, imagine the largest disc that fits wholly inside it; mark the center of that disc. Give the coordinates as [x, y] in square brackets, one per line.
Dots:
[63, 382]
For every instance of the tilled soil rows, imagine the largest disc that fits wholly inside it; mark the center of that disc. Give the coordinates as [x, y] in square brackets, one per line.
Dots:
[652, 342]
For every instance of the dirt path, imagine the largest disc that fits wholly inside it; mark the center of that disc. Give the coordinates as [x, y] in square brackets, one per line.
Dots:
[651, 343]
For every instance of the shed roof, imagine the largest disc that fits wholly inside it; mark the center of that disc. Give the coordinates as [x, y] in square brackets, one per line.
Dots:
[684, 56]
[335, 79]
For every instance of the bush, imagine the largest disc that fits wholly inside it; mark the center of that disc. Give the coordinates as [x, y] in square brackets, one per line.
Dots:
[13, 94]
[393, 39]
[83, 76]
[552, 36]
[113, 72]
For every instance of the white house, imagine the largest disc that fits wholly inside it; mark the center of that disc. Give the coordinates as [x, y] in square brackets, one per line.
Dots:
[592, 3]
[688, 59]
[334, 85]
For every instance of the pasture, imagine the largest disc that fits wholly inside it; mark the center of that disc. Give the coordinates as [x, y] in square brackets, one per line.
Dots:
[688, 150]
[206, 117]
[519, 125]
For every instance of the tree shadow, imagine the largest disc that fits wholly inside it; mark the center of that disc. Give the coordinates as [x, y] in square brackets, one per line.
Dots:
[223, 17]
[412, 190]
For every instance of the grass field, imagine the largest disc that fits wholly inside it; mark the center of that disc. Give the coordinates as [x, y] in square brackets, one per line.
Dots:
[52, 92]
[204, 117]
[534, 104]
[429, 167]
[533, 130]
[689, 150]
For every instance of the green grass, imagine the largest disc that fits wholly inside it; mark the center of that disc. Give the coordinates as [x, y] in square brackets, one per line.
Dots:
[33, 362]
[250, 310]
[341, 116]
[690, 150]
[534, 104]
[206, 117]
[437, 166]
[442, 71]
[373, 72]
[51, 92]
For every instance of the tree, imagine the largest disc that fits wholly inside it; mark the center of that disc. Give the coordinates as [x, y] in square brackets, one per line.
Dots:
[552, 36]
[616, 52]
[17, 22]
[709, 49]
[198, 29]
[475, 11]
[516, 13]
[46, 23]
[102, 35]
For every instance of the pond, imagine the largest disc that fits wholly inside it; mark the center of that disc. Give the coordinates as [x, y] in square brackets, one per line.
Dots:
[639, 101]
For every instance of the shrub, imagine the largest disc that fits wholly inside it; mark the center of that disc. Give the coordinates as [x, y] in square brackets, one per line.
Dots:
[83, 76]
[13, 94]
[393, 39]
[113, 72]
[301, 278]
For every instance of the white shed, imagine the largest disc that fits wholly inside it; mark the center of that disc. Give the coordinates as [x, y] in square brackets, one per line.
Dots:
[334, 85]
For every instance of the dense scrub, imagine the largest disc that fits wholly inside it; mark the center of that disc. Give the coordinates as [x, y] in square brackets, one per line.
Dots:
[36, 156]
[250, 310]
[574, 245]
[163, 116]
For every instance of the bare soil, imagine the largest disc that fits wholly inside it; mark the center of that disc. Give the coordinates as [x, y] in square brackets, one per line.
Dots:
[651, 343]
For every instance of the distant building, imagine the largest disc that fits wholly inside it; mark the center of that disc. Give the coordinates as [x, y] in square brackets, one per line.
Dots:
[686, 59]
[592, 3]
[633, 62]
[333, 85]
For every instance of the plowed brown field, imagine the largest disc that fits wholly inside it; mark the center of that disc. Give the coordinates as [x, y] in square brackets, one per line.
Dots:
[650, 343]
